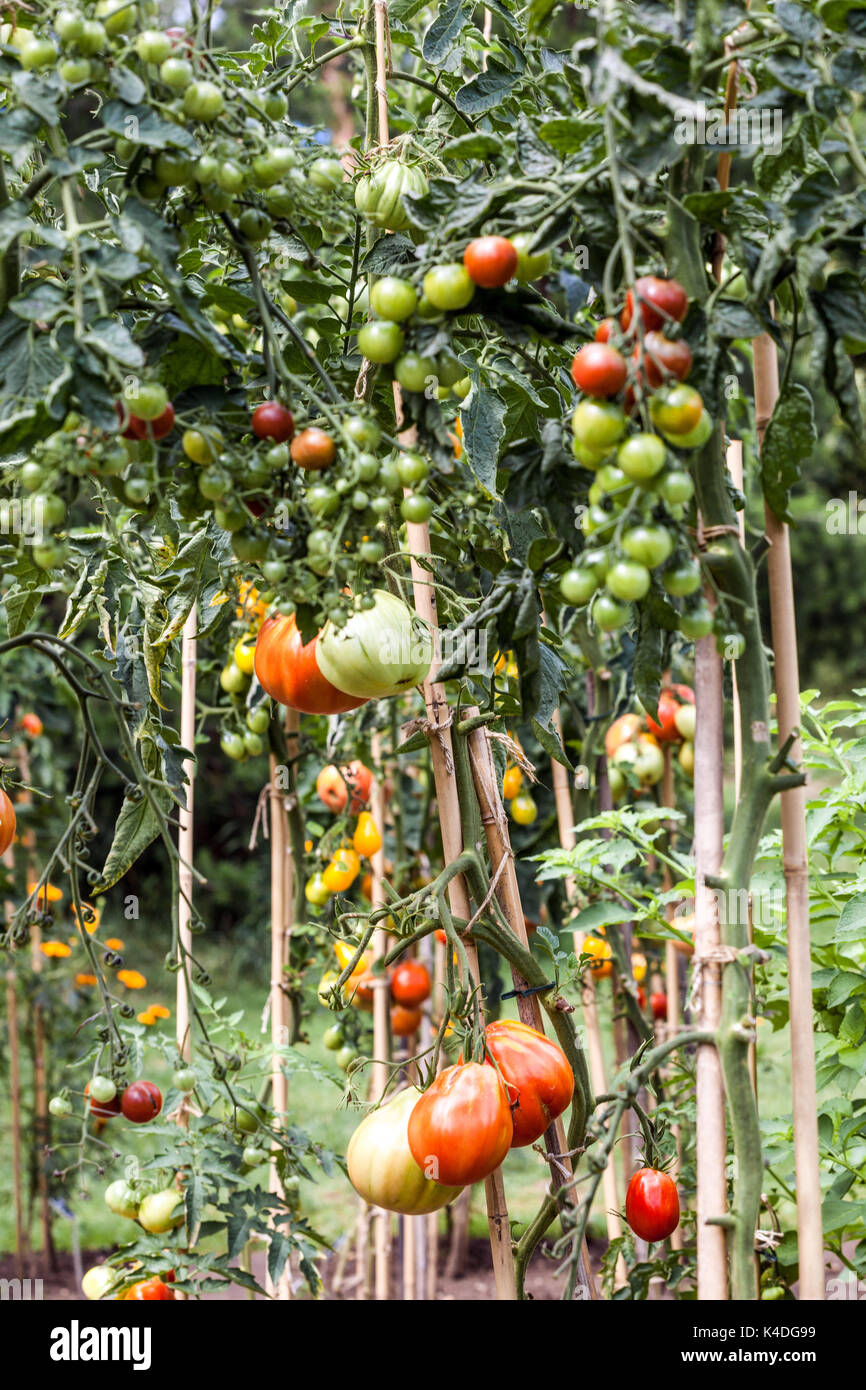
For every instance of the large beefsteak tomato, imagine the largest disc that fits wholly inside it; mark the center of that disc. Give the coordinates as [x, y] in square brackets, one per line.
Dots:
[7, 822]
[288, 670]
[381, 1167]
[382, 650]
[461, 1128]
[537, 1076]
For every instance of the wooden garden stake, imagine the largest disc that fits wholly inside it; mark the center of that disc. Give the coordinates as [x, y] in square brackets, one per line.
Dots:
[796, 863]
[15, 1117]
[186, 839]
[709, 829]
[282, 892]
[381, 1028]
[672, 978]
[565, 819]
[508, 896]
[41, 1126]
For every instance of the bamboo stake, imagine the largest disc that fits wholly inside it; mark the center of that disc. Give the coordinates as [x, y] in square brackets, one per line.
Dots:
[709, 828]
[381, 1026]
[186, 840]
[15, 1118]
[796, 863]
[508, 895]
[672, 980]
[565, 819]
[41, 1122]
[282, 883]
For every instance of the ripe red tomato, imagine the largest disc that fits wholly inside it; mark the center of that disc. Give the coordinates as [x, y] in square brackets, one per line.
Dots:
[461, 1128]
[491, 261]
[404, 1022]
[641, 997]
[359, 780]
[150, 1289]
[141, 1102]
[659, 1005]
[670, 700]
[31, 724]
[410, 983]
[599, 370]
[660, 301]
[537, 1077]
[273, 421]
[652, 1206]
[313, 448]
[664, 359]
[607, 329]
[7, 822]
[288, 671]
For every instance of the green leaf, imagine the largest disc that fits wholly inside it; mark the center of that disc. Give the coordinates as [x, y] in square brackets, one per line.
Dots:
[600, 914]
[486, 90]
[648, 662]
[142, 126]
[483, 419]
[442, 36]
[112, 339]
[789, 440]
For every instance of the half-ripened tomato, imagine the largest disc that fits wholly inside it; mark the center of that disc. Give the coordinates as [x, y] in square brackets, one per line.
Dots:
[461, 1128]
[288, 670]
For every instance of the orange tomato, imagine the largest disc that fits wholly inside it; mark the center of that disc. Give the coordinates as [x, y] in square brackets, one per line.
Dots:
[512, 781]
[367, 838]
[7, 822]
[404, 1021]
[331, 789]
[601, 956]
[622, 730]
[31, 724]
[342, 870]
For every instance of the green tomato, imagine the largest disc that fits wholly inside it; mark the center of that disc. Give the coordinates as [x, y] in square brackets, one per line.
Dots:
[253, 744]
[232, 679]
[589, 458]
[371, 552]
[122, 1199]
[93, 38]
[145, 399]
[578, 585]
[367, 467]
[37, 53]
[696, 438]
[176, 73]
[416, 508]
[427, 311]
[48, 509]
[232, 745]
[333, 1037]
[414, 371]
[730, 645]
[696, 622]
[276, 106]
[345, 1057]
[76, 71]
[462, 388]
[676, 410]
[230, 176]
[676, 487]
[69, 26]
[258, 719]
[393, 298]
[361, 430]
[322, 500]
[530, 266]
[326, 173]
[59, 1106]
[381, 341]
[598, 425]
[203, 101]
[119, 16]
[651, 545]
[102, 1089]
[628, 580]
[411, 469]
[608, 613]
[173, 168]
[642, 456]
[449, 286]
[254, 1157]
[682, 578]
[184, 1079]
[213, 484]
[49, 555]
[254, 224]
[232, 517]
[614, 483]
[153, 46]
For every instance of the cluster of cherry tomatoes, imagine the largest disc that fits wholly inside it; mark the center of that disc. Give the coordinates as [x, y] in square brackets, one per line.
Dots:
[636, 369]
[633, 743]
[408, 984]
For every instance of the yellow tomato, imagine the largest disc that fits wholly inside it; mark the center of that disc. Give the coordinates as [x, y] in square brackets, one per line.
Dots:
[249, 604]
[511, 783]
[601, 963]
[201, 448]
[344, 951]
[638, 967]
[524, 809]
[245, 655]
[367, 838]
[342, 870]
